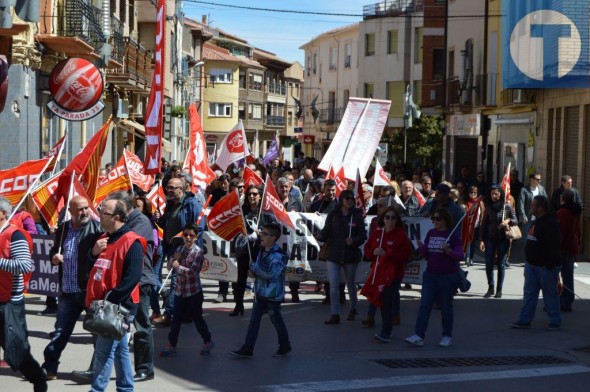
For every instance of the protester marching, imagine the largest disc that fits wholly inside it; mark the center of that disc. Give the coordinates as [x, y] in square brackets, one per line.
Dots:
[143, 244]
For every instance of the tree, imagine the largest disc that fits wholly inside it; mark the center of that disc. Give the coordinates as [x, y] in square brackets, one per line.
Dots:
[425, 139]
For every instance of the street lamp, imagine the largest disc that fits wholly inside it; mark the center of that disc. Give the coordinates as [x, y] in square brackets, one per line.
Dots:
[411, 111]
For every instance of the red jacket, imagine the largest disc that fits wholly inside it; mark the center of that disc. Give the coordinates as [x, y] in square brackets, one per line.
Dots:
[570, 230]
[389, 267]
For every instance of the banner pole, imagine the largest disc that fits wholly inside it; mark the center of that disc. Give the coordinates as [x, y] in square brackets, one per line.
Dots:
[67, 205]
[377, 261]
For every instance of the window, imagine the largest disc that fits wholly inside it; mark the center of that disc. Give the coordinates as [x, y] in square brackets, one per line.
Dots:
[242, 79]
[254, 111]
[220, 75]
[392, 42]
[255, 82]
[394, 92]
[369, 87]
[438, 64]
[242, 110]
[418, 45]
[333, 58]
[315, 63]
[347, 55]
[219, 109]
[290, 118]
[451, 65]
[370, 44]
[308, 62]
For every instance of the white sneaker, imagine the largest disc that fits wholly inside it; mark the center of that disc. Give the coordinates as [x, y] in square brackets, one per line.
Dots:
[446, 341]
[415, 340]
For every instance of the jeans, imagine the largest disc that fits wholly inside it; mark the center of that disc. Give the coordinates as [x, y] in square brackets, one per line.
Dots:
[108, 352]
[441, 287]
[154, 296]
[29, 367]
[261, 306]
[143, 339]
[501, 248]
[470, 251]
[239, 287]
[69, 309]
[543, 279]
[390, 304]
[334, 277]
[567, 277]
[192, 305]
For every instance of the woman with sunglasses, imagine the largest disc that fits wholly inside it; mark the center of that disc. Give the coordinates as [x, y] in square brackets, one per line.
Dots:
[498, 215]
[443, 251]
[389, 249]
[188, 292]
[251, 209]
[345, 229]
[473, 199]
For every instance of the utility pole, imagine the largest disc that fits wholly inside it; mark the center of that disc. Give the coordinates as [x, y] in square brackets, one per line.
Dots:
[411, 111]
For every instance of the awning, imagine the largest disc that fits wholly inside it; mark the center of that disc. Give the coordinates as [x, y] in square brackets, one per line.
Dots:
[135, 125]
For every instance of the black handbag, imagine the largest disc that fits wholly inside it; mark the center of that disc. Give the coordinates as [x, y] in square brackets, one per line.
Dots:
[464, 284]
[16, 344]
[107, 319]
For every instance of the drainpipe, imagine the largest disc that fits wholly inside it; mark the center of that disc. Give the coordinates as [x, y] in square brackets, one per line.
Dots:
[105, 23]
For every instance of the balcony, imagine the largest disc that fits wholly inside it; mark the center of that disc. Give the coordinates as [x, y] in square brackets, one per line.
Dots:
[118, 41]
[387, 8]
[135, 72]
[275, 121]
[486, 89]
[255, 86]
[438, 92]
[331, 116]
[517, 96]
[277, 88]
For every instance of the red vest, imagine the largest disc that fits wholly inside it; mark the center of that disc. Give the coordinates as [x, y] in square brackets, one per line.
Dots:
[108, 268]
[6, 278]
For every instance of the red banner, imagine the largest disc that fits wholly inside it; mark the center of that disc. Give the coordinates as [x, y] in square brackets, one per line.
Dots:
[272, 203]
[15, 182]
[48, 200]
[468, 225]
[154, 113]
[117, 180]
[197, 160]
[251, 178]
[157, 198]
[341, 182]
[359, 197]
[134, 167]
[225, 218]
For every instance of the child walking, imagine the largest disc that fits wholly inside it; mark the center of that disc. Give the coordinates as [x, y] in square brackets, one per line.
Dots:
[269, 287]
[188, 292]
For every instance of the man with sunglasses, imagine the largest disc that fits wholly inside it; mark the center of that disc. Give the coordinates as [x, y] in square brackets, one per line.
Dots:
[525, 201]
[180, 210]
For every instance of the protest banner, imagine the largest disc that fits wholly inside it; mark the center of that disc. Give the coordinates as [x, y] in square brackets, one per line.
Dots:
[44, 278]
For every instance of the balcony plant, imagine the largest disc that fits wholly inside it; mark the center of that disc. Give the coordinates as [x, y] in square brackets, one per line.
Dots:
[178, 111]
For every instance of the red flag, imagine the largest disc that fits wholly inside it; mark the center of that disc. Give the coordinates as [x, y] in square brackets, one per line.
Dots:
[421, 199]
[134, 167]
[506, 183]
[154, 121]
[117, 180]
[380, 179]
[341, 182]
[233, 148]
[196, 158]
[251, 178]
[250, 159]
[15, 182]
[78, 190]
[331, 173]
[48, 200]
[157, 198]
[359, 197]
[225, 218]
[272, 203]
[468, 225]
[86, 164]
[55, 153]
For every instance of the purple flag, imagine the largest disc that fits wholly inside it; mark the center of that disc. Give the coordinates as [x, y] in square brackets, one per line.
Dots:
[272, 153]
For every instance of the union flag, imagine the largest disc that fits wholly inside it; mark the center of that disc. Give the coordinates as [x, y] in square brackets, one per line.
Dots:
[251, 178]
[469, 221]
[158, 199]
[225, 218]
[117, 180]
[274, 205]
[341, 182]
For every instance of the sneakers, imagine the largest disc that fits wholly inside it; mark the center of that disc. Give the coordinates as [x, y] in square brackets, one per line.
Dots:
[520, 325]
[162, 321]
[207, 347]
[168, 352]
[446, 341]
[415, 340]
[49, 375]
[220, 299]
[282, 351]
[382, 337]
[553, 327]
[244, 352]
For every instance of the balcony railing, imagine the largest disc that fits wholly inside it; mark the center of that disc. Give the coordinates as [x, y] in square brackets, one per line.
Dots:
[392, 8]
[275, 120]
[517, 96]
[137, 63]
[256, 86]
[331, 116]
[81, 19]
[118, 41]
[277, 88]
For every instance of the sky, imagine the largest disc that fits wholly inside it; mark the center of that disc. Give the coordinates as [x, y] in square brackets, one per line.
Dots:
[279, 33]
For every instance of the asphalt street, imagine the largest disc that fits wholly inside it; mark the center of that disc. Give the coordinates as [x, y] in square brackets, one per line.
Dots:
[486, 355]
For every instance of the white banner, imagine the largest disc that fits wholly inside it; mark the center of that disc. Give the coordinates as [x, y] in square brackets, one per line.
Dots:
[357, 137]
[303, 249]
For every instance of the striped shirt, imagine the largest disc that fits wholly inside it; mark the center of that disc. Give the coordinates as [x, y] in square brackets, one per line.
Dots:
[69, 279]
[19, 263]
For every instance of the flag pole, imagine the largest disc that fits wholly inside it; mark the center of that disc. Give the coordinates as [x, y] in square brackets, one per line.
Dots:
[66, 206]
[455, 228]
[377, 261]
[262, 201]
[244, 221]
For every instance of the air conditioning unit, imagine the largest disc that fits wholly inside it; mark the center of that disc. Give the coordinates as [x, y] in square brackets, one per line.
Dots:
[517, 96]
[122, 108]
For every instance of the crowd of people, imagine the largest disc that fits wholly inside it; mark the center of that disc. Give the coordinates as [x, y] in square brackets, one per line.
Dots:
[120, 257]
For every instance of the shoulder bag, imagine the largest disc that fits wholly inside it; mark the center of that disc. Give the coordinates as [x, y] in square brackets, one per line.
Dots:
[107, 319]
[513, 233]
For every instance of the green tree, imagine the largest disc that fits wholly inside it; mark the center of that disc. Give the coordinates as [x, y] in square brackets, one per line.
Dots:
[424, 146]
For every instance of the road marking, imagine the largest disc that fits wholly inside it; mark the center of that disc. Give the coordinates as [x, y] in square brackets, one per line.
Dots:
[583, 280]
[342, 385]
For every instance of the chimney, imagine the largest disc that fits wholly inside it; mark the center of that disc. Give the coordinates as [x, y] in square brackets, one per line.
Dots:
[204, 19]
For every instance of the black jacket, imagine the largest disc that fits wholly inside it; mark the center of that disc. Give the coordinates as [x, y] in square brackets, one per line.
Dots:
[543, 242]
[142, 226]
[337, 229]
[88, 236]
[491, 220]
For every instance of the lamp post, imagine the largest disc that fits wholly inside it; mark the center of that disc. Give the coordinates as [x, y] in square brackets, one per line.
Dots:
[411, 111]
